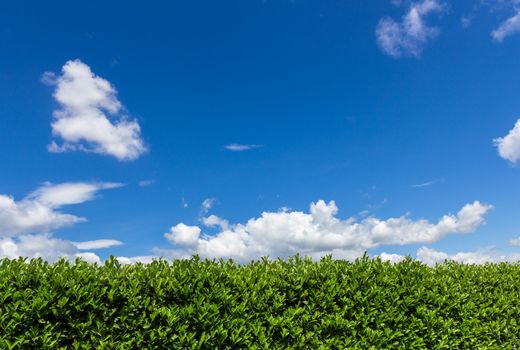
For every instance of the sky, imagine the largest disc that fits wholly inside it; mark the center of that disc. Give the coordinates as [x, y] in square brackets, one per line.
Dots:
[248, 128]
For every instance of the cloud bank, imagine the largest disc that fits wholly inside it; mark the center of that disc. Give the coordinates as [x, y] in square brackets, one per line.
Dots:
[432, 257]
[317, 233]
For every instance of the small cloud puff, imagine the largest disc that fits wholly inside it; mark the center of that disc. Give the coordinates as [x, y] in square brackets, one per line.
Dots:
[408, 37]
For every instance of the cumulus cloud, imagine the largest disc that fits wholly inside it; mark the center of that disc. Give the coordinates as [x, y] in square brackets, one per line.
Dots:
[42, 246]
[431, 256]
[235, 147]
[509, 145]
[408, 37]
[183, 235]
[317, 233]
[39, 211]
[90, 116]
[507, 28]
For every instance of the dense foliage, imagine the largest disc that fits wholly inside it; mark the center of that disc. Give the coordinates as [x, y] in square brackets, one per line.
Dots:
[194, 304]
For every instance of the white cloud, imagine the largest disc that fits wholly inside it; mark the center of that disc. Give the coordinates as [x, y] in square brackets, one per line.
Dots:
[89, 118]
[320, 232]
[509, 145]
[431, 256]
[97, 244]
[507, 28]
[235, 147]
[207, 204]
[409, 36]
[42, 246]
[515, 242]
[25, 224]
[38, 212]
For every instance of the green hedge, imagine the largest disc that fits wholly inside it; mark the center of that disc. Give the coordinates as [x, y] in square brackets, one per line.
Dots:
[201, 304]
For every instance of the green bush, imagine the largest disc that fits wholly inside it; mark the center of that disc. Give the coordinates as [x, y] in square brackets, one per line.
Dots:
[298, 303]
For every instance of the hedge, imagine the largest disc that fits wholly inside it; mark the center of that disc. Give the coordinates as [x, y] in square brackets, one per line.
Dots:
[268, 304]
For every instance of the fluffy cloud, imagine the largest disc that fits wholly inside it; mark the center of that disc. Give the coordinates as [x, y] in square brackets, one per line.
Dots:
[89, 118]
[319, 232]
[235, 147]
[183, 235]
[431, 256]
[409, 36]
[39, 211]
[507, 28]
[509, 145]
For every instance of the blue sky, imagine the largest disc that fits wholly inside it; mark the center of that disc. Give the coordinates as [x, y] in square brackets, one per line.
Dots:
[118, 121]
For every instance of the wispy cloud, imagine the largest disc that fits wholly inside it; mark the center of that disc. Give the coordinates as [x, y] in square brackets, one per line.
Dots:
[207, 204]
[507, 28]
[427, 183]
[408, 37]
[235, 147]
[146, 183]
[97, 244]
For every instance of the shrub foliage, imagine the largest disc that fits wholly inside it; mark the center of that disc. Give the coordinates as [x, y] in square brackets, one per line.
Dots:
[280, 304]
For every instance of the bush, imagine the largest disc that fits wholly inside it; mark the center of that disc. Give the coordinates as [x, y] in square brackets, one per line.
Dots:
[298, 303]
